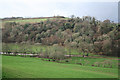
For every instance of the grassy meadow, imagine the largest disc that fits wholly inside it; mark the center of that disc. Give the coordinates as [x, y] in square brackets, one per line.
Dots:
[93, 66]
[25, 67]
[91, 60]
[25, 20]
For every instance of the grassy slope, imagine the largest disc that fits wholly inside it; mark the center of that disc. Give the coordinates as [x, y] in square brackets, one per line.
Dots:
[88, 61]
[19, 67]
[14, 46]
[25, 20]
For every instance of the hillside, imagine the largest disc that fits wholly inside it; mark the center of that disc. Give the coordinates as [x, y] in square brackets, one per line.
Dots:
[86, 34]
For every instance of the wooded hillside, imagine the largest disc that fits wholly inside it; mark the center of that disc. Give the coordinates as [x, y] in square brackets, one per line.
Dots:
[85, 34]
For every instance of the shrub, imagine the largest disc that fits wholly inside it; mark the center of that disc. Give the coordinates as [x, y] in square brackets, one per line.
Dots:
[57, 53]
[97, 64]
[79, 63]
[66, 61]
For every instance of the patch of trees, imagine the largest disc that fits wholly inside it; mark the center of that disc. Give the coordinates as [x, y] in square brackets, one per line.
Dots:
[10, 18]
[54, 52]
[85, 34]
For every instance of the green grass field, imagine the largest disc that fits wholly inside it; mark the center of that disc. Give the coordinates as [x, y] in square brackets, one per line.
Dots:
[33, 47]
[98, 62]
[26, 67]
[26, 20]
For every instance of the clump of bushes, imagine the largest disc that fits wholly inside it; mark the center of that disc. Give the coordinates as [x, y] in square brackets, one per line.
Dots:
[66, 61]
[79, 63]
[57, 53]
[105, 64]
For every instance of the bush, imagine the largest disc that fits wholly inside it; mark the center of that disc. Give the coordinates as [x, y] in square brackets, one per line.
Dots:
[57, 53]
[66, 61]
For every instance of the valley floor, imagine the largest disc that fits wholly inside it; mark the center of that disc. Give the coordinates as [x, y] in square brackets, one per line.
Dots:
[26, 67]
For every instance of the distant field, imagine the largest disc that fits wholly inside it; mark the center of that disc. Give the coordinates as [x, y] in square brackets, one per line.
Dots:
[30, 20]
[25, 67]
[25, 20]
